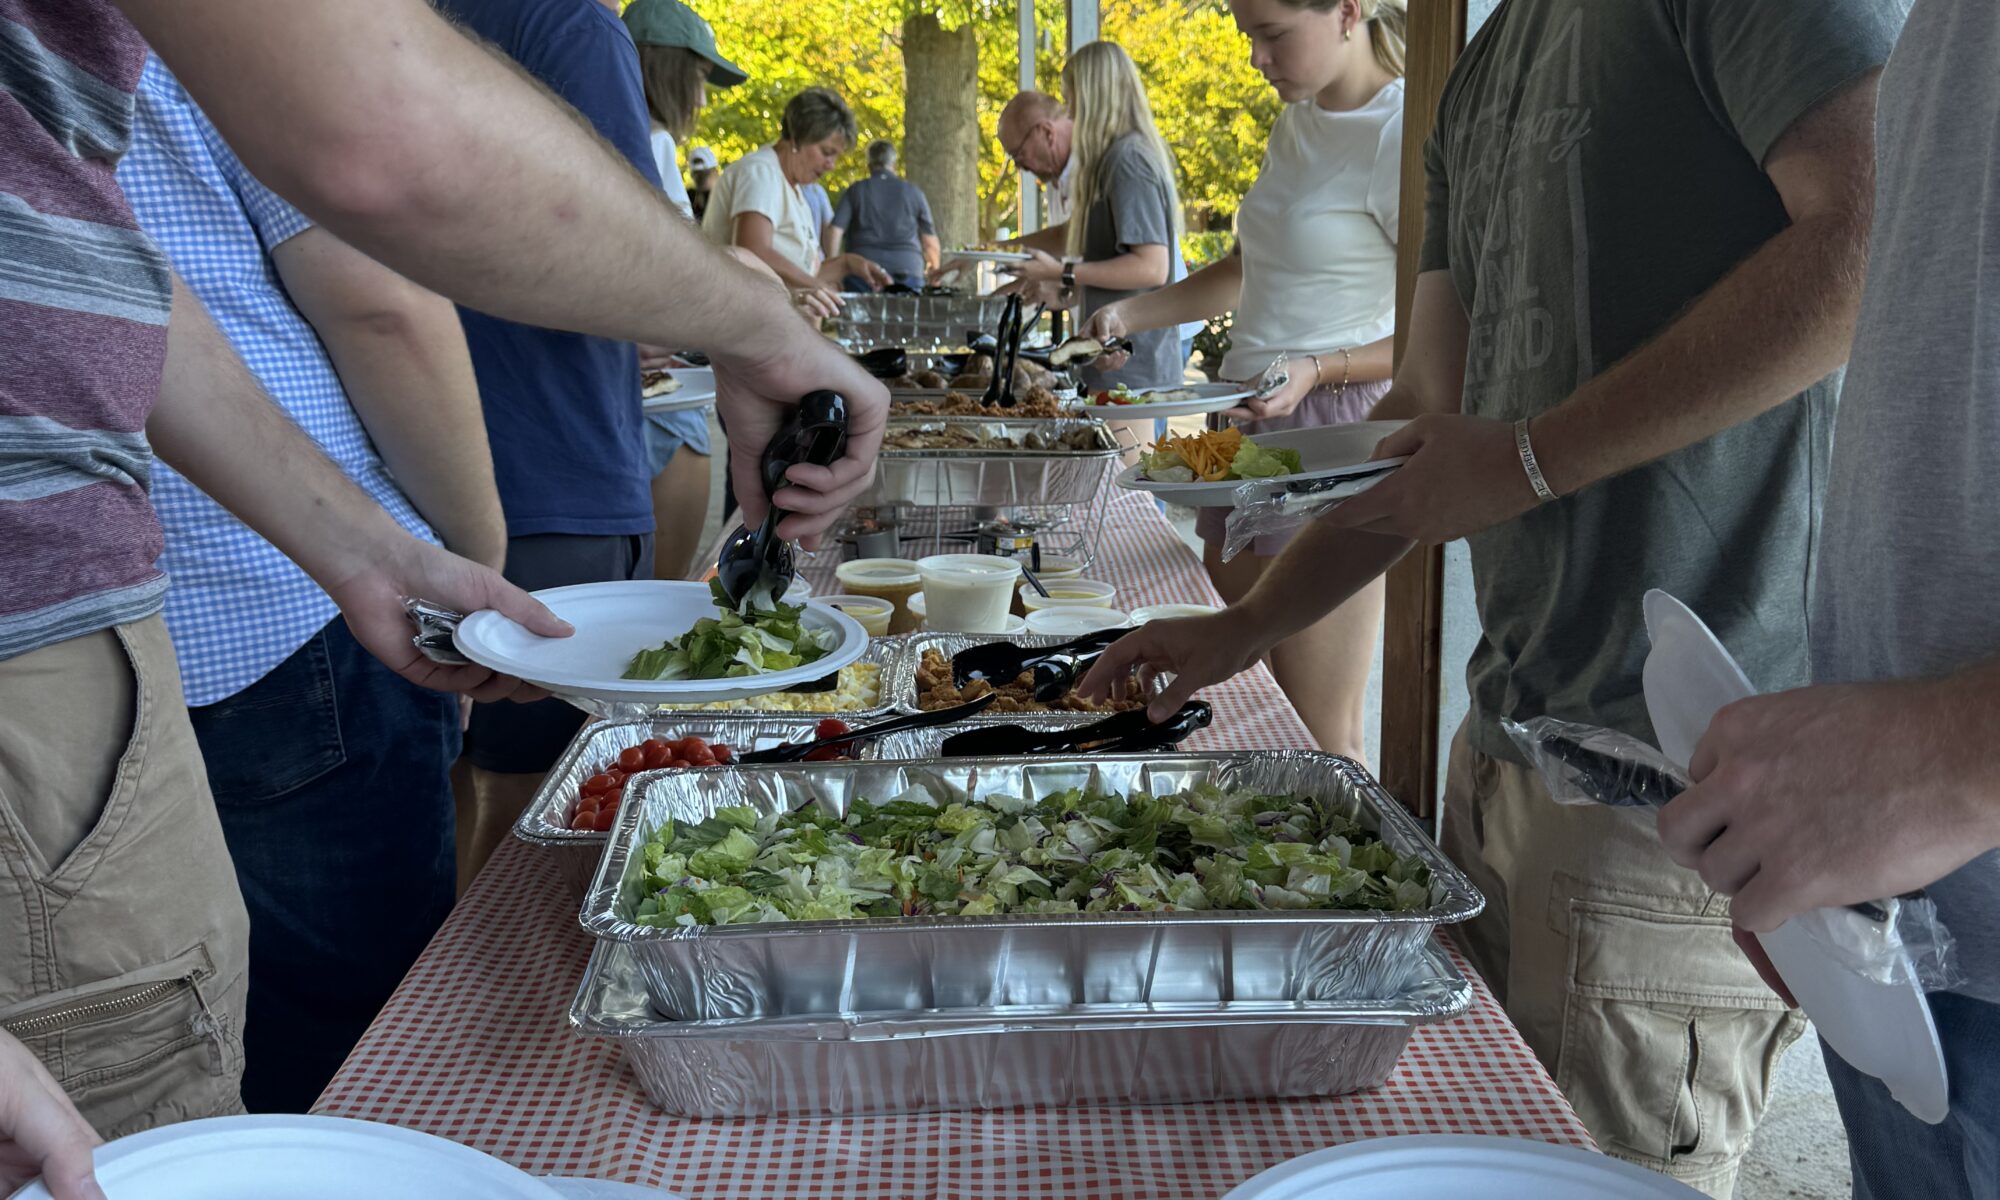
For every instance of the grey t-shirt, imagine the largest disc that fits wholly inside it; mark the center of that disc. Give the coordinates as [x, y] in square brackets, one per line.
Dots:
[1597, 165]
[1132, 208]
[1910, 570]
[884, 215]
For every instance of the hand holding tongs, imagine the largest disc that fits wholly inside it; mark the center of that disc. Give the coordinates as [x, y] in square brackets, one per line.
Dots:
[1000, 663]
[750, 560]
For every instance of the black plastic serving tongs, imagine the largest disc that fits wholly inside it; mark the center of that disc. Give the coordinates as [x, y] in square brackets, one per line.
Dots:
[792, 752]
[1120, 733]
[754, 562]
[1000, 663]
[1000, 389]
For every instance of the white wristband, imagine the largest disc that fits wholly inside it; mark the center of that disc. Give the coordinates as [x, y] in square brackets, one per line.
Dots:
[1528, 463]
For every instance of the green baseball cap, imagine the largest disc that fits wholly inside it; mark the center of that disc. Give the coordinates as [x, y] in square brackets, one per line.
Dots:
[671, 23]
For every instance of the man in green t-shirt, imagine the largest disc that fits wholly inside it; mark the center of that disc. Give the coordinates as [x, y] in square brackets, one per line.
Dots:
[1645, 228]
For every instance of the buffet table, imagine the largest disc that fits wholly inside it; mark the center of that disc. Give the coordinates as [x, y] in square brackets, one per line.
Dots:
[475, 1046]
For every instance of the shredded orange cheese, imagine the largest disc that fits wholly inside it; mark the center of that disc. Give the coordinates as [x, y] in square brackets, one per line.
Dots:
[1208, 453]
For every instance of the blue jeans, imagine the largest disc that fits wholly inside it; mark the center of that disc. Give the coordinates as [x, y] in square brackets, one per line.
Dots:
[1895, 1156]
[332, 776]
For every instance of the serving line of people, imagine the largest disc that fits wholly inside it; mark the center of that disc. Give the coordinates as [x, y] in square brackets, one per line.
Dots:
[1641, 270]
[415, 146]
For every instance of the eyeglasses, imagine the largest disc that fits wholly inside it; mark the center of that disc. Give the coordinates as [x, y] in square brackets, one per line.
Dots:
[1014, 153]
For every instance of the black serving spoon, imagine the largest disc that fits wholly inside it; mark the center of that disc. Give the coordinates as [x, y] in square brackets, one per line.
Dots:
[1120, 733]
[1000, 663]
[753, 559]
[792, 752]
[885, 362]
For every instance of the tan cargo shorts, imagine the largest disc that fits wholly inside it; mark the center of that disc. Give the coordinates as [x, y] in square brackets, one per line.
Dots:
[122, 964]
[1619, 969]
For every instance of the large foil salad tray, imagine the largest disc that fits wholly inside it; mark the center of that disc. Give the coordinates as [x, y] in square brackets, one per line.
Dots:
[986, 1059]
[719, 972]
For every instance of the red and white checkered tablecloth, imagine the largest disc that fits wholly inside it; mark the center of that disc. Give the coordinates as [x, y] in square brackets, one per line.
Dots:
[475, 1046]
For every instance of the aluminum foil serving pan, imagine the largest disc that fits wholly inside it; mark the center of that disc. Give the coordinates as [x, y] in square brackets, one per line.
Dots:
[905, 690]
[1065, 961]
[982, 1059]
[1054, 472]
[545, 821]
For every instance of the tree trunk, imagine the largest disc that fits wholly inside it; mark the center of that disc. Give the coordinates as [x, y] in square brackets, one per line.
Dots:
[941, 123]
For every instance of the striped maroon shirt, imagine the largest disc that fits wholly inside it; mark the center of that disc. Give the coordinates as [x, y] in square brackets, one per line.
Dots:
[84, 299]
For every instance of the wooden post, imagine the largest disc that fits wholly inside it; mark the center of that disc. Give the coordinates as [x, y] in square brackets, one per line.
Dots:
[1412, 670]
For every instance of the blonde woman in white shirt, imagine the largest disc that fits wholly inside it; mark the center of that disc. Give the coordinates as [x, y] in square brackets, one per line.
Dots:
[757, 204]
[1312, 281]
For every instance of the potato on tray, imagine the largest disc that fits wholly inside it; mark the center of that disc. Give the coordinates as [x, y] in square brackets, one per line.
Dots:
[936, 690]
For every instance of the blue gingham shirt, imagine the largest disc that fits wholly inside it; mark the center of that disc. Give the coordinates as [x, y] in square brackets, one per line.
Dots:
[236, 606]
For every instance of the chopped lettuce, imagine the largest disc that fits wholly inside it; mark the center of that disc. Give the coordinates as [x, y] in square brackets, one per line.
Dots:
[1070, 852]
[770, 637]
[1256, 462]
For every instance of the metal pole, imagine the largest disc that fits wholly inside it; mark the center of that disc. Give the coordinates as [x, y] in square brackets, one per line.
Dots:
[1031, 192]
[1083, 22]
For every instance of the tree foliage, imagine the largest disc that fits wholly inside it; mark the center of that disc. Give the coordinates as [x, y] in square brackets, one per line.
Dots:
[1212, 108]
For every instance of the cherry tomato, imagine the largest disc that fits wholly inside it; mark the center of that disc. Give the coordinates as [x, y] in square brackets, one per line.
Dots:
[598, 784]
[722, 752]
[632, 759]
[687, 745]
[605, 816]
[616, 775]
[649, 743]
[677, 764]
[830, 727]
[584, 817]
[703, 757]
[657, 756]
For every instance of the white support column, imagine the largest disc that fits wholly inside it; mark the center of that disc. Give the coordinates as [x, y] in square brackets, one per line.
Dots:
[1083, 23]
[1031, 192]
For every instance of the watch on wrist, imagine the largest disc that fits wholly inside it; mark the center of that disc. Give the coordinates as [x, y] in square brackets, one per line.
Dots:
[1069, 274]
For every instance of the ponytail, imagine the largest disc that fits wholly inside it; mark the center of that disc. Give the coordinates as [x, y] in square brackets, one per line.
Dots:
[1388, 32]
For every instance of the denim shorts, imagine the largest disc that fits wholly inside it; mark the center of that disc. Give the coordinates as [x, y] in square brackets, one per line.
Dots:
[667, 432]
[1894, 1155]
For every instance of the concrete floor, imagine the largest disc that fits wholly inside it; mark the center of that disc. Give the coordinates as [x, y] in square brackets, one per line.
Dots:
[1800, 1151]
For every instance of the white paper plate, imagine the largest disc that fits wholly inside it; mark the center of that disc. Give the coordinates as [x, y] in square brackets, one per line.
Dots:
[697, 390]
[613, 622]
[575, 1187]
[1326, 452]
[1881, 1029]
[1459, 1167]
[1209, 397]
[1167, 612]
[300, 1158]
[992, 256]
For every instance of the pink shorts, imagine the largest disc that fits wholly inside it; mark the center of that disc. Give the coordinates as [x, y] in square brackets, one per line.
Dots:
[1322, 406]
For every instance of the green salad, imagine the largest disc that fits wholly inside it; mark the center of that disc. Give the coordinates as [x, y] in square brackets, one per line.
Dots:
[769, 637]
[1204, 848]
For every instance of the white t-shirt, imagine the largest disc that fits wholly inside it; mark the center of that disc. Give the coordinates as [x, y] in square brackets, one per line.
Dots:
[666, 156]
[756, 183]
[1318, 234]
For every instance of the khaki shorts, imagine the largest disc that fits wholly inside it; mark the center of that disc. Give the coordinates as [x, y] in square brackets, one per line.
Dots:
[1619, 969]
[123, 968]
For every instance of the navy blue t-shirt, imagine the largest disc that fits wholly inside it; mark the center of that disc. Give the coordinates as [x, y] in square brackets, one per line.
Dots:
[562, 409]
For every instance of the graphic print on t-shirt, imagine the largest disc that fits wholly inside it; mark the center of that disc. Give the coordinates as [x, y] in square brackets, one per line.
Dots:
[1523, 163]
